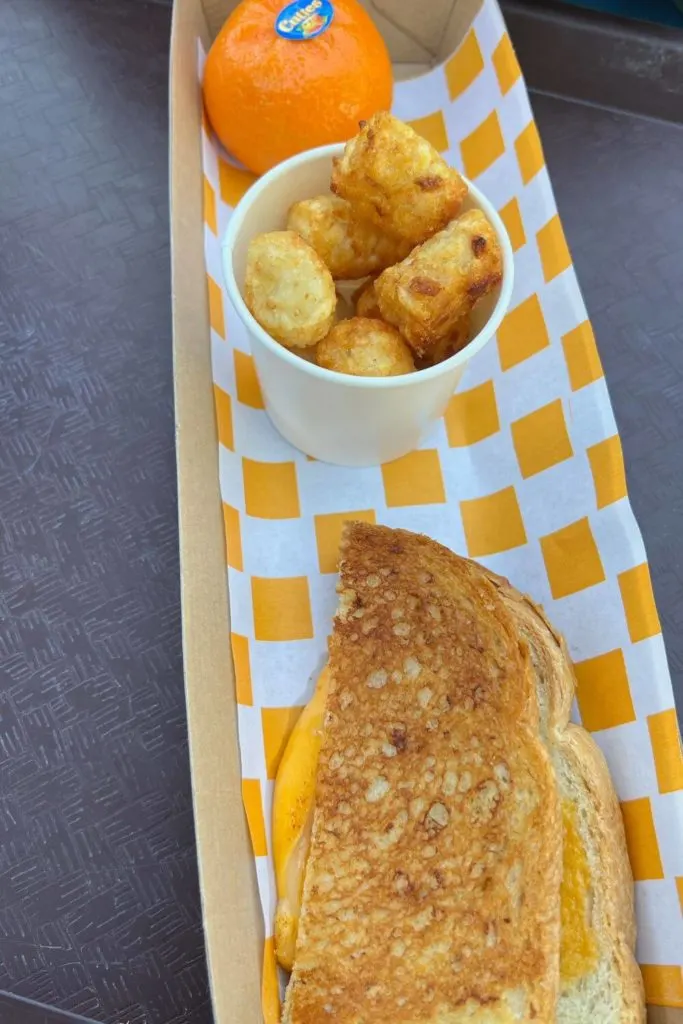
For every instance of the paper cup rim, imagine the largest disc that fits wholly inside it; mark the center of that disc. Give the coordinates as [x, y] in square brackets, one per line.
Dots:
[345, 379]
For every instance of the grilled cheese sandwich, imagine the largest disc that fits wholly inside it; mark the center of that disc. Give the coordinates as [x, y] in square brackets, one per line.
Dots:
[448, 770]
[293, 814]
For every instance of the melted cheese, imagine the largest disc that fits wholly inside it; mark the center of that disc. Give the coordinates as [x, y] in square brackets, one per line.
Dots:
[578, 945]
[293, 815]
[293, 799]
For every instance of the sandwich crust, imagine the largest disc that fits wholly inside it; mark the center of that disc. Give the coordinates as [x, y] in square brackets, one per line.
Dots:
[611, 991]
[431, 888]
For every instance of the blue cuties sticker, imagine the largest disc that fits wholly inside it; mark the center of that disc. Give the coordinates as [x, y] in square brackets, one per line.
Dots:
[304, 19]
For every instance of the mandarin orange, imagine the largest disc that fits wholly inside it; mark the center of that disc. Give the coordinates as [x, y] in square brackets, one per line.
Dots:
[268, 97]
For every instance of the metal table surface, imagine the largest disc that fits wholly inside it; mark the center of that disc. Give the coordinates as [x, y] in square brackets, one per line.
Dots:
[99, 905]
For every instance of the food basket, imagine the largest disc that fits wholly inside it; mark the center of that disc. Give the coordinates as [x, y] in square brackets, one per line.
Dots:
[524, 473]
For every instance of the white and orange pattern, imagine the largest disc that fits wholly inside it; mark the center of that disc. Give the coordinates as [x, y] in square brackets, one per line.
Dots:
[525, 473]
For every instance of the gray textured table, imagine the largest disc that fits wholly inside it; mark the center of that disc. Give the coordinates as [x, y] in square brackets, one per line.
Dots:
[619, 186]
[99, 907]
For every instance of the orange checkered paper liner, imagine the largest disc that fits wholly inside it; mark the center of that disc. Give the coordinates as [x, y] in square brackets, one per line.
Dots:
[524, 473]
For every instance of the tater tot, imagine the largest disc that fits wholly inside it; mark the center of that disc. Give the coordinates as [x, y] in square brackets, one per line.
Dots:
[288, 289]
[450, 345]
[396, 180]
[441, 281]
[348, 246]
[365, 301]
[365, 348]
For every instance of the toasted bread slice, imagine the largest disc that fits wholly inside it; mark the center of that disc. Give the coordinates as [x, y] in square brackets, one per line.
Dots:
[600, 979]
[432, 884]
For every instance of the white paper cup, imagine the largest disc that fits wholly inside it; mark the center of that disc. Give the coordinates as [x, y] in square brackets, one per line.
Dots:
[335, 417]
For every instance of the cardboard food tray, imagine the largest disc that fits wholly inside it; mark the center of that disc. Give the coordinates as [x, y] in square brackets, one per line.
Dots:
[233, 919]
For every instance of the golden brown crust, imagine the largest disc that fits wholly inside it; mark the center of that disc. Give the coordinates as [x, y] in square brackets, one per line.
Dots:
[447, 347]
[481, 610]
[440, 282]
[364, 300]
[435, 862]
[288, 289]
[349, 247]
[365, 348]
[549, 656]
[396, 180]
